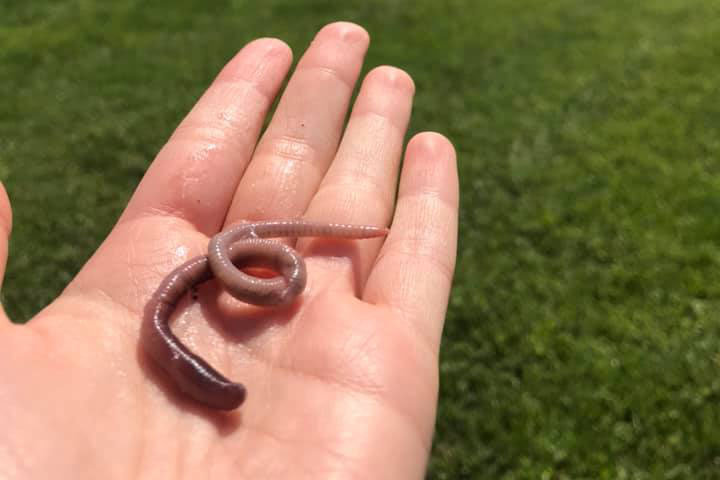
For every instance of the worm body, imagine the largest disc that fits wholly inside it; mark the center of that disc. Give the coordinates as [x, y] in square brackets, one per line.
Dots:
[193, 375]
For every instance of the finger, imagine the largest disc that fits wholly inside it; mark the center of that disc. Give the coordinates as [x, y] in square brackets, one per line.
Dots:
[413, 271]
[5, 228]
[195, 174]
[360, 185]
[303, 135]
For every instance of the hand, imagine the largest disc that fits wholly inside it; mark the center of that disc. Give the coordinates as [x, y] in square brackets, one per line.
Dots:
[341, 385]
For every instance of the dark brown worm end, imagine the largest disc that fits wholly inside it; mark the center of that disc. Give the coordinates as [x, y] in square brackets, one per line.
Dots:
[220, 396]
[231, 398]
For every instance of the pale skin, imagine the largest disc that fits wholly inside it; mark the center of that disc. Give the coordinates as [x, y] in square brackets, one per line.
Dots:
[343, 383]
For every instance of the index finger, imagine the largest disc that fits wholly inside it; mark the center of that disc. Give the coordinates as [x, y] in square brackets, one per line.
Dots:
[413, 272]
[195, 174]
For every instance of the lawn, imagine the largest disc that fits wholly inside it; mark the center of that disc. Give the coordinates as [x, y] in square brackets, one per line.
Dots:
[582, 335]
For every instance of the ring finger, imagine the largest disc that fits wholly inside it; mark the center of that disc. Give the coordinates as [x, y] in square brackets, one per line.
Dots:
[360, 185]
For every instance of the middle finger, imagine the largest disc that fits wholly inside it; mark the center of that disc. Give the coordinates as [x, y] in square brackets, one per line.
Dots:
[303, 135]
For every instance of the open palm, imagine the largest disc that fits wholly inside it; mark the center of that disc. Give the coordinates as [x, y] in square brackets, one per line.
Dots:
[342, 384]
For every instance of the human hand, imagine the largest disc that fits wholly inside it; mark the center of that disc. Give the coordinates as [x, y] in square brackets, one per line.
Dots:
[341, 385]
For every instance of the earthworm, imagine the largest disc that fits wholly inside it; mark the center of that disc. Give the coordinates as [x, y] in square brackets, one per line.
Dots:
[190, 373]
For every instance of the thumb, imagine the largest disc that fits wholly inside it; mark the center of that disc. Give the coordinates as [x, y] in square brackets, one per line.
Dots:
[5, 227]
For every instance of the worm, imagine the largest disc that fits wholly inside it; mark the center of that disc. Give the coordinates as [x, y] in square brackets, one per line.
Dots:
[245, 242]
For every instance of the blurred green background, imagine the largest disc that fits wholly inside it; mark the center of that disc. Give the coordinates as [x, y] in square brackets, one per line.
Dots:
[582, 335]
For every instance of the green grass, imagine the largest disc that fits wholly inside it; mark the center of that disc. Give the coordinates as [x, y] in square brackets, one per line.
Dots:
[582, 339]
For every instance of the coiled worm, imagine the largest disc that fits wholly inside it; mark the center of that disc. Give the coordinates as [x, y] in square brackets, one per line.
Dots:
[190, 373]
